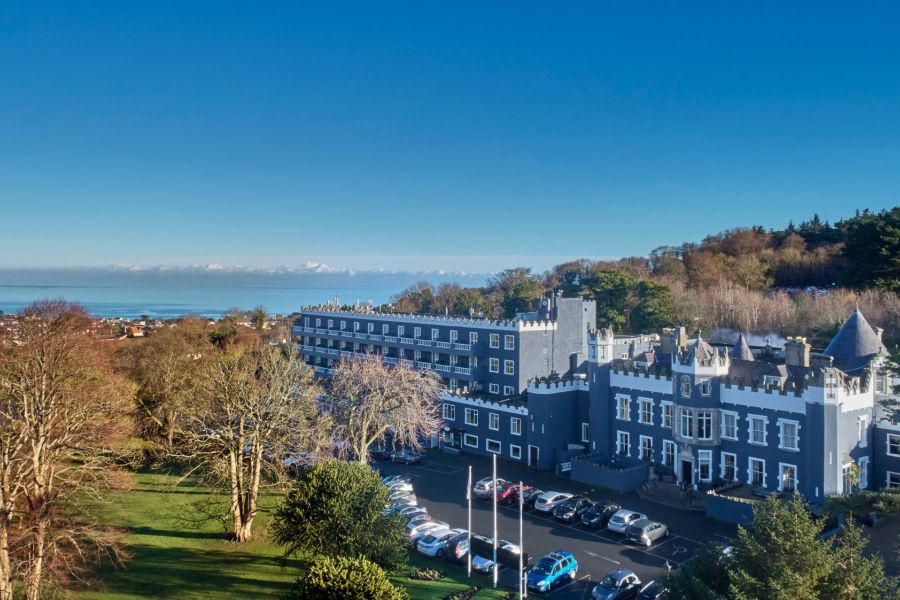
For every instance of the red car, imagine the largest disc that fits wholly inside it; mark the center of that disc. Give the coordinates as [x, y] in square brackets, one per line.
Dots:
[509, 493]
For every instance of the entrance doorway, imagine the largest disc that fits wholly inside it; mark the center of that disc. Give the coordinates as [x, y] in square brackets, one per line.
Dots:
[533, 455]
[687, 472]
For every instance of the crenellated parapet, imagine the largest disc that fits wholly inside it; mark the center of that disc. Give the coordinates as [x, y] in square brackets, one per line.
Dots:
[517, 406]
[362, 312]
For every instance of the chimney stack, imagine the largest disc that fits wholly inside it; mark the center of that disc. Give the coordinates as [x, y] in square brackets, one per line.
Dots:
[796, 352]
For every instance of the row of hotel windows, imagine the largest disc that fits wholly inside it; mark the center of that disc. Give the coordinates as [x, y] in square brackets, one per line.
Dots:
[698, 423]
[509, 341]
[509, 366]
[492, 446]
[471, 418]
[728, 471]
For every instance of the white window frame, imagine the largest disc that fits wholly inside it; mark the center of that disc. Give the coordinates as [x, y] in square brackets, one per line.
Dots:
[343, 325]
[705, 387]
[494, 421]
[435, 333]
[734, 463]
[664, 405]
[494, 340]
[723, 433]
[781, 467]
[449, 411]
[642, 403]
[863, 464]
[685, 381]
[370, 327]
[585, 432]
[417, 332]
[513, 421]
[454, 335]
[888, 484]
[682, 413]
[494, 388]
[765, 429]
[627, 413]
[318, 322]
[509, 342]
[750, 461]
[355, 325]
[385, 329]
[627, 444]
[641, 440]
[781, 424]
[704, 456]
[494, 365]
[330, 323]
[473, 337]
[468, 417]
[709, 429]
[467, 437]
[509, 367]
[515, 451]
[887, 447]
[667, 444]
[508, 390]
[863, 430]
[401, 330]
[487, 446]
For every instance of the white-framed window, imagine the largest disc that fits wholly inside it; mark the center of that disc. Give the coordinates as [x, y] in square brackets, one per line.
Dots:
[893, 444]
[449, 411]
[473, 362]
[685, 386]
[494, 365]
[330, 323]
[473, 337]
[863, 431]
[494, 340]
[645, 412]
[757, 429]
[646, 448]
[728, 468]
[704, 465]
[788, 438]
[356, 325]
[454, 335]
[385, 329]
[417, 332]
[318, 322]
[370, 327]
[847, 477]
[494, 388]
[623, 443]
[515, 425]
[343, 325]
[729, 425]
[787, 479]
[687, 423]
[756, 472]
[668, 412]
[401, 330]
[471, 416]
[508, 390]
[417, 355]
[863, 464]
[470, 440]
[509, 367]
[623, 408]
[704, 425]
[306, 321]
[492, 446]
[892, 480]
[705, 387]
[454, 383]
[509, 342]
[435, 333]
[669, 453]
[494, 421]
[515, 451]
[356, 346]
[585, 432]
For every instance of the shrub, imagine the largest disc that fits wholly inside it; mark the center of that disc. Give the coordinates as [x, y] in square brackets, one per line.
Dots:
[462, 594]
[427, 574]
[342, 578]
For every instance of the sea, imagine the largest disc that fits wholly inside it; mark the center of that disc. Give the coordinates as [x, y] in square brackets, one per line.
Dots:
[172, 301]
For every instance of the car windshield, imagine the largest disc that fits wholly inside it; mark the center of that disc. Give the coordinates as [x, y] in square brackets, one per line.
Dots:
[609, 583]
[618, 518]
[544, 565]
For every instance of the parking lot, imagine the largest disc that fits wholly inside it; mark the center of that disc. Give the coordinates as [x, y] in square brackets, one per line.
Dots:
[440, 484]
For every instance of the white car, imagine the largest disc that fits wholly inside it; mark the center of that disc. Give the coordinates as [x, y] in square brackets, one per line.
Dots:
[417, 530]
[433, 543]
[550, 500]
[620, 521]
[400, 486]
[484, 488]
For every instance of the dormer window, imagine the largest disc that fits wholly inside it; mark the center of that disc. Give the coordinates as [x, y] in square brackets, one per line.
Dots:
[705, 388]
[685, 386]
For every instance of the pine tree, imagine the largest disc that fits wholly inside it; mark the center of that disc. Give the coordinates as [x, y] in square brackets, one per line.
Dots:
[856, 576]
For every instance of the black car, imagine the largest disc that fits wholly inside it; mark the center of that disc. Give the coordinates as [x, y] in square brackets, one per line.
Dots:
[571, 509]
[529, 497]
[652, 591]
[456, 549]
[407, 457]
[381, 453]
[598, 515]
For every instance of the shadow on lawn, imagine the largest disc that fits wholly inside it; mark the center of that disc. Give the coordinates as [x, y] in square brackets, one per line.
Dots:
[197, 535]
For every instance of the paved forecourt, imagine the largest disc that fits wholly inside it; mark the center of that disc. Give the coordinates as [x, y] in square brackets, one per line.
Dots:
[440, 484]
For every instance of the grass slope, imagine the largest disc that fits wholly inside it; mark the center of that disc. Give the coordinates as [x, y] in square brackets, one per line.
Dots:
[175, 557]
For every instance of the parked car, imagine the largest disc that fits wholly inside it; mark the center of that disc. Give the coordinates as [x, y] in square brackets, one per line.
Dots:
[598, 515]
[415, 531]
[645, 531]
[388, 479]
[395, 505]
[394, 496]
[407, 457]
[484, 564]
[547, 501]
[381, 453]
[509, 493]
[529, 496]
[419, 516]
[654, 590]
[457, 548]
[408, 511]
[433, 543]
[621, 584]
[571, 509]
[400, 486]
[620, 521]
[484, 489]
[553, 568]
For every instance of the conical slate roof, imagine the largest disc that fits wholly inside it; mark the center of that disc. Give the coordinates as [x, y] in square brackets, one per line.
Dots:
[701, 350]
[855, 344]
[740, 349]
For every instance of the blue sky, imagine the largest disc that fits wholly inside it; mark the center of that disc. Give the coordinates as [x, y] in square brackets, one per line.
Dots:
[432, 135]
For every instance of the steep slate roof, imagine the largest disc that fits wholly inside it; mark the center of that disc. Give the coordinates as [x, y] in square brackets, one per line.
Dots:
[741, 350]
[700, 349]
[855, 344]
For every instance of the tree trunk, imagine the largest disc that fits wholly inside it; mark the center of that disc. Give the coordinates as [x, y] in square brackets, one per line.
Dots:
[233, 469]
[6, 592]
[35, 568]
[170, 429]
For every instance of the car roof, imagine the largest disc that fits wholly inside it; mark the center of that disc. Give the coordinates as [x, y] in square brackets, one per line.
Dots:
[642, 523]
[621, 573]
[560, 554]
[626, 511]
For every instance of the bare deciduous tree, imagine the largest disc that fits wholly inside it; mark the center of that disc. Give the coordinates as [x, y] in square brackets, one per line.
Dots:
[369, 400]
[63, 416]
[255, 408]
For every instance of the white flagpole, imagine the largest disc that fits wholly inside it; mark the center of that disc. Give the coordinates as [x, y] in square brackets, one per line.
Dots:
[495, 519]
[469, 498]
[521, 543]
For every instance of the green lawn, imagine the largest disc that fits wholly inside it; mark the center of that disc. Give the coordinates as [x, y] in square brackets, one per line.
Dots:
[173, 556]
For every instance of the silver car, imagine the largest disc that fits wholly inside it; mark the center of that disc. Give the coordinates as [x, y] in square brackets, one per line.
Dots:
[645, 531]
[433, 543]
[547, 501]
[620, 521]
[417, 530]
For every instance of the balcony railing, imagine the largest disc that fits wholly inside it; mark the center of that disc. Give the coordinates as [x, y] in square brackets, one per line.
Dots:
[390, 338]
[409, 341]
[440, 367]
[347, 334]
[375, 336]
[423, 343]
[462, 370]
[361, 336]
[442, 344]
[465, 347]
[390, 360]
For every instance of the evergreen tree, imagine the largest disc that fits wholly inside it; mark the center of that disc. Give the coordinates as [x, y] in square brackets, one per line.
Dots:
[344, 578]
[856, 576]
